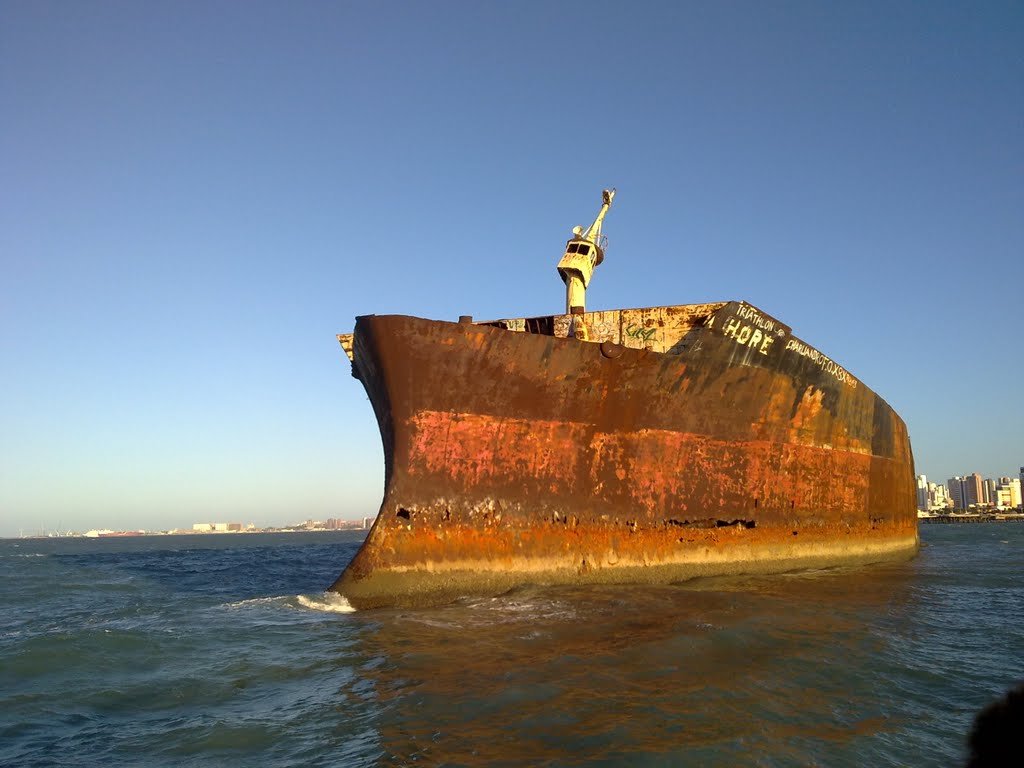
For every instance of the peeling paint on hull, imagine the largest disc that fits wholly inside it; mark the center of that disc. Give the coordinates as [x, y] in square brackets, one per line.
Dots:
[512, 457]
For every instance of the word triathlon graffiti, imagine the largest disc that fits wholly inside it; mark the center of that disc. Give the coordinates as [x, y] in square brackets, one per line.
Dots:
[751, 315]
[826, 363]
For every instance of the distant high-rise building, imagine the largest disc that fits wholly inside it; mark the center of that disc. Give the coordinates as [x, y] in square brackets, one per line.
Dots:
[930, 496]
[989, 491]
[957, 493]
[974, 487]
[1008, 493]
[922, 492]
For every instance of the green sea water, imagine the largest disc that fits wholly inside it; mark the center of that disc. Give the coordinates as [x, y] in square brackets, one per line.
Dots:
[225, 651]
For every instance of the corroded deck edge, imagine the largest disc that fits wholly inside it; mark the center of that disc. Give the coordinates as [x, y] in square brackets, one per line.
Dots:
[658, 329]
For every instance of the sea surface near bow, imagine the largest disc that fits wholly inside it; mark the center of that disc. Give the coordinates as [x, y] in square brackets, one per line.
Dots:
[224, 650]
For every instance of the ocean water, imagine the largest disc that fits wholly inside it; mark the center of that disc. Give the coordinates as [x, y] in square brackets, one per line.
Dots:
[224, 651]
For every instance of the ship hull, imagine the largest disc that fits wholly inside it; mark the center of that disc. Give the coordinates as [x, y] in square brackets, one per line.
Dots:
[517, 457]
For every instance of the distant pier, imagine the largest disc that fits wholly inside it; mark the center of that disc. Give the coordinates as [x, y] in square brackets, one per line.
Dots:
[952, 519]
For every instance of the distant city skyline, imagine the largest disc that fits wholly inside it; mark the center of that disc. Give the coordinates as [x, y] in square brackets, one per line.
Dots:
[969, 490]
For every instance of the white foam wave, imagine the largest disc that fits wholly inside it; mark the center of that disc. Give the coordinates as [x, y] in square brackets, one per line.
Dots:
[330, 602]
[281, 600]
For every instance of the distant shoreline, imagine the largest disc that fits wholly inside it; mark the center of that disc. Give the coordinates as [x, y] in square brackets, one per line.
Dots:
[140, 534]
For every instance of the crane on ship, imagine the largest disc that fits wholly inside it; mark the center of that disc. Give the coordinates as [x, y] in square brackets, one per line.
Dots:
[583, 252]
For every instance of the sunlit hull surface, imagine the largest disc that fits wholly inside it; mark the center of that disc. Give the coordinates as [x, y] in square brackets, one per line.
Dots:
[666, 443]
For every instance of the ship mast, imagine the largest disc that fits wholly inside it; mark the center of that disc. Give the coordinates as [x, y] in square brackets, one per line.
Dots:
[583, 252]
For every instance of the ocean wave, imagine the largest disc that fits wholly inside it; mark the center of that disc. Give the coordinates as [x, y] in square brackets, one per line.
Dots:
[475, 612]
[530, 608]
[255, 601]
[330, 602]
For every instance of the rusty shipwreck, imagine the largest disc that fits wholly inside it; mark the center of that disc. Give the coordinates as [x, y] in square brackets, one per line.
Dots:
[633, 445]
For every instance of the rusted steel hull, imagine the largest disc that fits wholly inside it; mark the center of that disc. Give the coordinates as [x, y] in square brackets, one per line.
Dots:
[512, 457]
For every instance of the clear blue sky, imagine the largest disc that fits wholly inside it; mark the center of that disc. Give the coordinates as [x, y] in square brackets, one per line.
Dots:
[196, 197]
